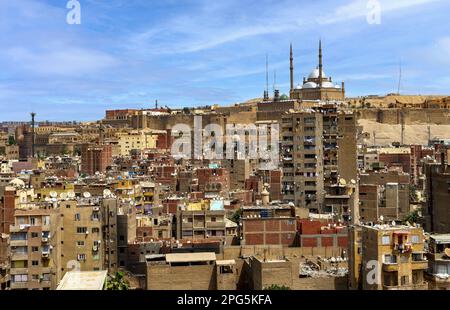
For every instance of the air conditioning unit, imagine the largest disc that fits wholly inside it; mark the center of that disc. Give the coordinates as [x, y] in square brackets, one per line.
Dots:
[96, 209]
[45, 254]
[44, 239]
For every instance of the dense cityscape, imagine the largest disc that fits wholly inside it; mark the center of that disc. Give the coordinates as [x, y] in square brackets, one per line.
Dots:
[309, 190]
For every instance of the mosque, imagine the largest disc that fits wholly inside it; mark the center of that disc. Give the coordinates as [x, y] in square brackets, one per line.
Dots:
[317, 86]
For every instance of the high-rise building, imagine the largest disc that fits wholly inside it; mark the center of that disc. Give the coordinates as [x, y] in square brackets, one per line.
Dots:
[302, 159]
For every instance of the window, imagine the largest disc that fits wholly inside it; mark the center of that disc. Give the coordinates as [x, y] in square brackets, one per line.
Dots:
[32, 221]
[35, 277]
[77, 217]
[34, 249]
[34, 235]
[80, 243]
[46, 220]
[35, 263]
[95, 216]
[20, 278]
[390, 259]
[385, 240]
[415, 239]
[81, 257]
[405, 280]
[81, 230]
[67, 206]
[95, 230]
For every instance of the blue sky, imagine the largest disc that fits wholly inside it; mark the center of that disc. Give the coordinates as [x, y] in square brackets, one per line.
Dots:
[127, 53]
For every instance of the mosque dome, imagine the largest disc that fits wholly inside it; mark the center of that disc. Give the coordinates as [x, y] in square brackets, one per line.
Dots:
[299, 86]
[284, 97]
[337, 86]
[315, 74]
[327, 85]
[310, 85]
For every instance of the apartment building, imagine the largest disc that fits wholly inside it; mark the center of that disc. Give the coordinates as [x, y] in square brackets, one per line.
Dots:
[268, 225]
[201, 224]
[135, 140]
[95, 158]
[397, 254]
[302, 159]
[438, 274]
[384, 194]
[32, 238]
[437, 192]
[4, 262]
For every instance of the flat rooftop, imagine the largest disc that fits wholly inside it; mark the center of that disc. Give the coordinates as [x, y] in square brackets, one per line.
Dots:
[441, 239]
[190, 257]
[83, 280]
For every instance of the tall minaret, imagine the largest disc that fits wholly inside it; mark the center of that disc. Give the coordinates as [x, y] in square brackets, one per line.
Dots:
[292, 70]
[320, 63]
[33, 135]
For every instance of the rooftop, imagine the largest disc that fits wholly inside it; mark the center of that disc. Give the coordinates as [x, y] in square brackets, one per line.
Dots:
[83, 280]
[190, 257]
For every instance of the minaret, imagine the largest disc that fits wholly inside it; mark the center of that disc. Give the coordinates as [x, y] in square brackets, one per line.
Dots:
[266, 91]
[292, 70]
[33, 135]
[320, 63]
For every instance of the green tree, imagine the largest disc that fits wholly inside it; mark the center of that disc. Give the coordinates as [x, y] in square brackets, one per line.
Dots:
[276, 287]
[236, 217]
[11, 140]
[412, 217]
[117, 283]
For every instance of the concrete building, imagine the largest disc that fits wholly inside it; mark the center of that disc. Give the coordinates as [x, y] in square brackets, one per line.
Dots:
[438, 274]
[397, 254]
[95, 158]
[384, 194]
[198, 223]
[190, 271]
[436, 211]
[302, 159]
[136, 140]
[268, 225]
[4, 262]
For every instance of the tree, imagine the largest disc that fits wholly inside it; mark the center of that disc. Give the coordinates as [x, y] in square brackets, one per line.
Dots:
[276, 287]
[236, 217]
[117, 283]
[11, 140]
[412, 217]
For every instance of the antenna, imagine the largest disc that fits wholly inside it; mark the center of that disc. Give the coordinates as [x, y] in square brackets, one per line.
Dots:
[399, 78]
[274, 80]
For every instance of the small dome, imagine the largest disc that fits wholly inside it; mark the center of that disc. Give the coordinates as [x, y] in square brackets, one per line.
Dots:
[315, 74]
[327, 85]
[310, 85]
[284, 97]
[337, 86]
[299, 86]
[17, 183]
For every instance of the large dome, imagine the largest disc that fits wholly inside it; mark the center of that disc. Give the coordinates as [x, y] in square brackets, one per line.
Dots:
[310, 85]
[327, 85]
[315, 74]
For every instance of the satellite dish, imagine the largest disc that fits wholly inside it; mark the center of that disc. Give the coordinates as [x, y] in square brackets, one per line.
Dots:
[63, 195]
[447, 252]
[71, 195]
[393, 223]
[106, 193]
[342, 182]
[381, 218]
[53, 194]
[86, 195]
[47, 199]
[352, 181]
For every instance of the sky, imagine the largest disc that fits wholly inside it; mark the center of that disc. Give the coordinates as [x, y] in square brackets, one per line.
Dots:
[184, 53]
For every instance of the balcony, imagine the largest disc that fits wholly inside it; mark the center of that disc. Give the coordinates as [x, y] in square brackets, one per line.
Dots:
[19, 285]
[187, 225]
[14, 271]
[19, 256]
[215, 225]
[419, 265]
[18, 243]
[46, 283]
[18, 228]
[390, 267]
